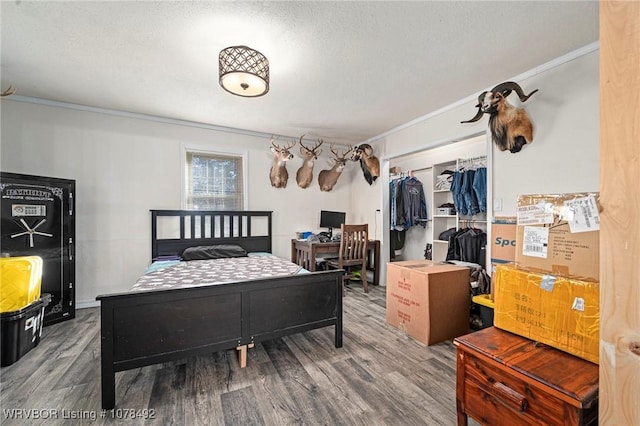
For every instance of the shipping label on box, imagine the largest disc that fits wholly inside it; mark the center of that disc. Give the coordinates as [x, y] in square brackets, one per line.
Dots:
[559, 234]
[428, 300]
[554, 310]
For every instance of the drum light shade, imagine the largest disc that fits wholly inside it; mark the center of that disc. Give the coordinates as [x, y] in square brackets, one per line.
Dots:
[243, 71]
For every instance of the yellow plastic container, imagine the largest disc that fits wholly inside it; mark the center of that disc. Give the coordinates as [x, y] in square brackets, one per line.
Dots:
[486, 308]
[20, 281]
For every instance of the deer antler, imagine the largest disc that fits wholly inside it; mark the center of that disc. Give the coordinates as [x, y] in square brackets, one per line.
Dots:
[333, 151]
[10, 91]
[292, 144]
[311, 150]
[273, 139]
[341, 156]
[344, 154]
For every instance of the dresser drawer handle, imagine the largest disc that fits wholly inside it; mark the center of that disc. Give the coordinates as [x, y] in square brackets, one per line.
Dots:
[511, 396]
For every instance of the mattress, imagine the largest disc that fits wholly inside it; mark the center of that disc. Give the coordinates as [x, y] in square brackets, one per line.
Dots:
[215, 271]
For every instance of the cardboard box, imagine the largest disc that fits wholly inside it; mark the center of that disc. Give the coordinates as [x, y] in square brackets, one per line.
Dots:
[428, 300]
[503, 235]
[503, 244]
[558, 311]
[559, 234]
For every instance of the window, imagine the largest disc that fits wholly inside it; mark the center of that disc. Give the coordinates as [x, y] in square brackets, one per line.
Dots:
[214, 181]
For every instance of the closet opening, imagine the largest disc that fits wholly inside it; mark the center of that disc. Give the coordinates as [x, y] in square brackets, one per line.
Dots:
[438, 207]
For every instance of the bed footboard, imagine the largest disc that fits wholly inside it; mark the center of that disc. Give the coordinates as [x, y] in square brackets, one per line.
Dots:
[145, 328]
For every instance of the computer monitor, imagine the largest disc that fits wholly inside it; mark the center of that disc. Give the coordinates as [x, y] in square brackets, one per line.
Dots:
[331, 220]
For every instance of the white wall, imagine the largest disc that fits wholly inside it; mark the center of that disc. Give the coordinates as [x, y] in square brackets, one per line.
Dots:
[564, 156]
[126, 165]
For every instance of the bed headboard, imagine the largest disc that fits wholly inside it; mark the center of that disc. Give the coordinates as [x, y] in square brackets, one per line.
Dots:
[188, 228]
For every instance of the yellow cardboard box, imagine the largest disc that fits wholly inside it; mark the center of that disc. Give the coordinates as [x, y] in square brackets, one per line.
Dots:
[555, 310]
[428, 300]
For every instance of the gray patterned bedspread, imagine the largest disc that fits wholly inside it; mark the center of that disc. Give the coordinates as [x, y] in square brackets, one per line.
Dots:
[216, 271]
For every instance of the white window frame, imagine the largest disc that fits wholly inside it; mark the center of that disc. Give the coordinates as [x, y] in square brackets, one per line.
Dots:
[210, 150]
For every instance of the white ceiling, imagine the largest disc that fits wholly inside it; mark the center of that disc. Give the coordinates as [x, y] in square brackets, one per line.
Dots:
[344, 71]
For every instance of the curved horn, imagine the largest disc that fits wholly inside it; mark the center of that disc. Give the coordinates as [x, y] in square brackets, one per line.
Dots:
[506, 88]
[477, 117]
[10, 91]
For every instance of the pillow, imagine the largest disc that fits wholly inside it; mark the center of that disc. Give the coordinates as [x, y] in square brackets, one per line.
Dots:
[213, 252]
[160, 264]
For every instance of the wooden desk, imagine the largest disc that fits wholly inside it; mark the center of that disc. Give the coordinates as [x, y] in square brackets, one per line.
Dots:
[304, 253]
[505, 379]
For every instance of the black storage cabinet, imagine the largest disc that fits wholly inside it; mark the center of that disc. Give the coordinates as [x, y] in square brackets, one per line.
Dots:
[38, 219]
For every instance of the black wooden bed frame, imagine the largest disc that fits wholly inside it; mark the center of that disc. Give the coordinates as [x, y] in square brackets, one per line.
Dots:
[150, 327]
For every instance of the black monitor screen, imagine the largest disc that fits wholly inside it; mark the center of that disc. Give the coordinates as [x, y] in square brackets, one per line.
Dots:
[331, 219]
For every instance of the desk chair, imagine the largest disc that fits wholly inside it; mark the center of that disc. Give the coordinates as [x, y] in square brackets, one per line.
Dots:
[353, 253]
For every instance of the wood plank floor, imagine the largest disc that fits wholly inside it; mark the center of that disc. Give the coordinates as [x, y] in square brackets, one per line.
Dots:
[380, 377]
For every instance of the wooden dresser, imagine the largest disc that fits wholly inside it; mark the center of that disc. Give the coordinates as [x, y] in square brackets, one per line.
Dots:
[506, 379]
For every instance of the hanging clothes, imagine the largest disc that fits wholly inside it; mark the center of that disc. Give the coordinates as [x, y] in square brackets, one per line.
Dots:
[473, 246]
[468, 245]
[392, 203]
[415, 203]
[456, 190]
[469, 189]
[480, 188]
[396, 203]
[468, 193]
[396, 240]
[408, 203]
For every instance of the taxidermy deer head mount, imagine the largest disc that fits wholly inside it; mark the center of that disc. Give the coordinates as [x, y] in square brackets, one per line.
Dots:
[510, 127]
[328, 178]
[278, 174]
[368, 162]
[304, 176]
[9, 91]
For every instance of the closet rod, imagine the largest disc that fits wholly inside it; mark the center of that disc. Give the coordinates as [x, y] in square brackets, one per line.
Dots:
[481, 157]
[422, 169]
[412, 170]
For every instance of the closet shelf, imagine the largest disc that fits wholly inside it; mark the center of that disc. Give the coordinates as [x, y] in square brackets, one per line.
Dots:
[447, 215]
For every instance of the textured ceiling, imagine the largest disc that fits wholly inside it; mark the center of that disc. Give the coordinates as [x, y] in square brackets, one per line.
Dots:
[344, 71]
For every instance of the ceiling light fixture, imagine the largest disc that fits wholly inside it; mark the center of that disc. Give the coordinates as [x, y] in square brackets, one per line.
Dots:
[244, 71]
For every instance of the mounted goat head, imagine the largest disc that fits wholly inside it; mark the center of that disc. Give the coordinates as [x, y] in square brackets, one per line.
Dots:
[304, 176]
[510, 127]
[328, 178]
[278, 174]
[368, 162]
[9, 91]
